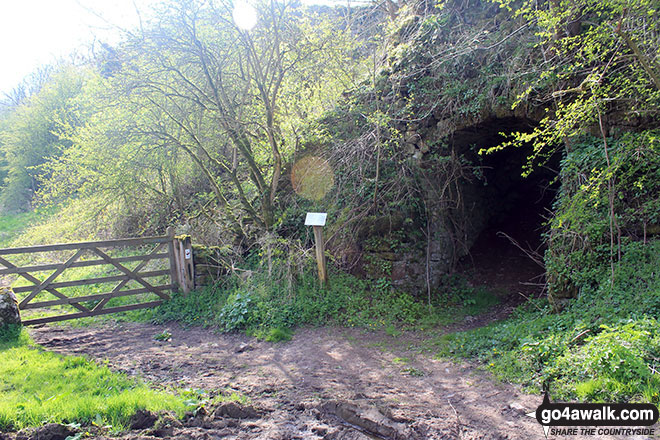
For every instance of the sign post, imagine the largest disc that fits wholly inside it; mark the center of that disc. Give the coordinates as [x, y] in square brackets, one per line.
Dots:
[317, 221]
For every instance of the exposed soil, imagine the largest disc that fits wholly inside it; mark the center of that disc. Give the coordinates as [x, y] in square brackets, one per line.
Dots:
[497, 264]
[326, 383]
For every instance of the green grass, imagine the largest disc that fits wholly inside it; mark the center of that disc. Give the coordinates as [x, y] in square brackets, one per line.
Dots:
[33, 228]
[12, 225]
[278, 335]
[39, 387]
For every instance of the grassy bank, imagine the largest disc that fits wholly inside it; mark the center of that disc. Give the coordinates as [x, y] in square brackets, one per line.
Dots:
[39, 387]
[12, 225]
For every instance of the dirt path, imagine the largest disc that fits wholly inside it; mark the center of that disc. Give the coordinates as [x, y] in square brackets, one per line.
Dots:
[326, 383]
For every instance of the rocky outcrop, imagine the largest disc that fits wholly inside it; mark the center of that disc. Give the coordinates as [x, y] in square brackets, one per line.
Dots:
[9, 313]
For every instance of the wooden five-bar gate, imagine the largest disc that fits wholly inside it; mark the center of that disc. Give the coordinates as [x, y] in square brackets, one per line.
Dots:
[169, 249]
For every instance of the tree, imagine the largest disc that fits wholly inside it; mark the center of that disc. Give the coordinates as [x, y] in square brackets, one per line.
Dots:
[29, 135]
[111, 158]
[233, 101]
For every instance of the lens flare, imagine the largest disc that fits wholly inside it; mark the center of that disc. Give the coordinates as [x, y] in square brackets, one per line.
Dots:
[312, 177]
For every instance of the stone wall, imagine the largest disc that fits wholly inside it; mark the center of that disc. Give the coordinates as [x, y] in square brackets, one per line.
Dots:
[210, 265]
[400, 252]
[458, 205]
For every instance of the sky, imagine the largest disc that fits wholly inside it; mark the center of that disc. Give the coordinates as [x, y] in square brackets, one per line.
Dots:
[38, 32]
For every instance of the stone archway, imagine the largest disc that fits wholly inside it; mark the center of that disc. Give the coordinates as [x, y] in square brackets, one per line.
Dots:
[497, 207]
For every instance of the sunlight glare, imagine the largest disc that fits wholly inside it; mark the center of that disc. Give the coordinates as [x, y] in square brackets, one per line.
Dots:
[245, 16]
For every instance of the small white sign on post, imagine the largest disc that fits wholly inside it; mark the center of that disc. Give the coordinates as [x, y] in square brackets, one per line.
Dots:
[316, 218]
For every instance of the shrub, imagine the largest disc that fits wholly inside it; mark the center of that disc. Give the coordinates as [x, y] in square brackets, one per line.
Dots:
[261, 304]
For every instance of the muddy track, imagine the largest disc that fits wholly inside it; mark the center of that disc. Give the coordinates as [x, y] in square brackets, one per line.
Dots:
[326, 383]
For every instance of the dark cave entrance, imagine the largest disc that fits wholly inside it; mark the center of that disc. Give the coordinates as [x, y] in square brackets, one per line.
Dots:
[513, 210]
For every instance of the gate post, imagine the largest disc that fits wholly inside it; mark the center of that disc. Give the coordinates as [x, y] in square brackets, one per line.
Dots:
[186, 265]
[172, 252]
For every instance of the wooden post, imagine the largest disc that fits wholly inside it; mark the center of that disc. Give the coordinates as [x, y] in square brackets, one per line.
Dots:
[317, 220]
[188, 264]
[320, 254]
[171, 251]
[184, 263]
[181, 271]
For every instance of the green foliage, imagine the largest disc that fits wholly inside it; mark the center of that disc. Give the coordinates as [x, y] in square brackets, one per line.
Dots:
[391, 330]
[75, 220]
[602, 347]
[199, 308]
[414, 372]
[441, 68]
[163, 336]
[238, 311]
[30, 136]
[616, 364]
[605, 69]
[274, 334]
[42, 387]
[585, 239]
[115, 134]
[634, 169]
[10, 333]
[12, 225]
[131, 181]
[454, 291]
[265, 305]
[146, 147]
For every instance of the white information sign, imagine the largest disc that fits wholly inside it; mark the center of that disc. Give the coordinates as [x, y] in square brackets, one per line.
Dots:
[316, 218]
